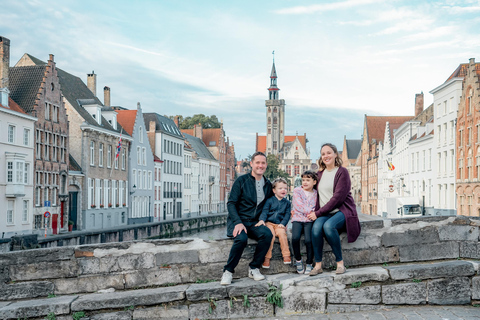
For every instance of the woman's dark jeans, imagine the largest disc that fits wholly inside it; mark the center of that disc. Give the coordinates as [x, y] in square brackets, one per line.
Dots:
[297, 229]
[330, 227]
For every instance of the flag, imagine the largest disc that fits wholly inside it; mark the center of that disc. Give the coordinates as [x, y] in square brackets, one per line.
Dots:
[391, 167]
[119, 147]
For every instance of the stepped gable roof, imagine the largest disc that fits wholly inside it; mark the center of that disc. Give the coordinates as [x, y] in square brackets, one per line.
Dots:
[211, 136]
[261, 142]
[25, 84]
[126, 118]
[461, 71]
[12, 105]
[73, 165]
[163, 124]
[376, 125]
[199, 147]
[353, 148]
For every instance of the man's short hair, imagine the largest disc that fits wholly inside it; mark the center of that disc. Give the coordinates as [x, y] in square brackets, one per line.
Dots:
[258, 153]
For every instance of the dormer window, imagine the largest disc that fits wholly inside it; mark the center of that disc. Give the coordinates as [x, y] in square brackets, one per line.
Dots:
[4, 96]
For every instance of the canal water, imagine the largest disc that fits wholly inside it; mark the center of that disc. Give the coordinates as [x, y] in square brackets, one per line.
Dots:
[208, 233]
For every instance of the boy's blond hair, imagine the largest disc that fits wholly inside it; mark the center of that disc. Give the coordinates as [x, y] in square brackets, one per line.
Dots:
[277, 181]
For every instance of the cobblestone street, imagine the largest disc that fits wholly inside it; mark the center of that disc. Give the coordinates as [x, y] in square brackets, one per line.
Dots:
[400, 313]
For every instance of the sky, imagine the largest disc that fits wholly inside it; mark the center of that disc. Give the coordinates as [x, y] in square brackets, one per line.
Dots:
[336, 60]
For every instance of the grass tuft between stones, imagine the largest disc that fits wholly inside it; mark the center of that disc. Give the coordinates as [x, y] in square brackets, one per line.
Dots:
[274, 295]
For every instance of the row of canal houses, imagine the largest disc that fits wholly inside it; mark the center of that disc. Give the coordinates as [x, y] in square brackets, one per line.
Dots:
[431, 158]
[73, 162]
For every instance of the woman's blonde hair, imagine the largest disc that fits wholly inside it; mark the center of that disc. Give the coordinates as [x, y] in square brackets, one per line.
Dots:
[338, 161]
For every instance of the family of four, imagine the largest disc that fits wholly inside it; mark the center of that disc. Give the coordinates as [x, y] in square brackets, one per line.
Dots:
[322, 207]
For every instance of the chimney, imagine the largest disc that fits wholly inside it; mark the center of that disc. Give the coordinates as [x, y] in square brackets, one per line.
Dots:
[418, 103]
[198, 131]
[5, 61]
[151, 135]
[92, 82]
[106, 96]
[175, 119]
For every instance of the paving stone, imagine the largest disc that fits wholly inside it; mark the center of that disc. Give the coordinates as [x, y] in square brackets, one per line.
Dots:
[204, 291]
[152, 277]
[176, 312]
[44, 270]
[334, 308]
[88, 283]
[322, 283]
[26, 290]
[301, 300]
[206, 311]
[405, 293]
[458, 232]
[426, 252]
[432, 270]
[258, 308]
[121, 315]
[410, 237]
[470, 249]
[143, 297]
[362, 295]
[249, 287]
[363, 275]
[37, 308]
[36, 255]
[449, 291]
[476, 288]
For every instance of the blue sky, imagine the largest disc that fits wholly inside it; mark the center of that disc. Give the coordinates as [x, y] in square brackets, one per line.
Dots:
[336, 60]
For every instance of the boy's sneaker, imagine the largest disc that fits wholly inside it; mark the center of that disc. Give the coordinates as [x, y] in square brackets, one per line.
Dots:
[287, 260]
[255, 274]
[226, 278]
[299, 265]
[266, 263]
[308, 268]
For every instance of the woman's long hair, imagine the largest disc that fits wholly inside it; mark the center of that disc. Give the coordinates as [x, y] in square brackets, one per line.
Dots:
[338, 161]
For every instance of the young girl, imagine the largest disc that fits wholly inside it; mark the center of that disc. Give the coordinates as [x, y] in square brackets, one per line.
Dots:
[303, 203]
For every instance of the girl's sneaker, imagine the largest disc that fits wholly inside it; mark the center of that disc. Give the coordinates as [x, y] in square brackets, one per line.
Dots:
[299, 265]
[308, 268]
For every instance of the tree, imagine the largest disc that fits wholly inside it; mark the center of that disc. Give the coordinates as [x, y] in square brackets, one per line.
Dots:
[273, 171]
[207, 122]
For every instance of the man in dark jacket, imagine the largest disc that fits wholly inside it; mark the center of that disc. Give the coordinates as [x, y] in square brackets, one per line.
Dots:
[249, 194]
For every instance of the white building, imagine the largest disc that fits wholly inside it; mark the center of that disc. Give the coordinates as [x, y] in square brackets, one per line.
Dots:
[187, 181]
[446, 98]
[16, 161]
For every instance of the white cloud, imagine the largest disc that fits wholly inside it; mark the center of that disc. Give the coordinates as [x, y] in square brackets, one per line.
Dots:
[325, 7]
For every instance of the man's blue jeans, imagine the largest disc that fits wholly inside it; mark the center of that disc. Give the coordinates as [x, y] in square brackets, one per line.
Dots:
[330, 227]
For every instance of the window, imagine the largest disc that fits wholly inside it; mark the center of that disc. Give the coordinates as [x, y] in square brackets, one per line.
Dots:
[139, 180]
[10, 208]
[10, 171]
[55, 113]
[145, 186]
[92, 153]
[46, 154]
[144, 156]
[54, 196]
[38, 144]
[114, 192]
[109, 156]
[47, 111]
[123, 159]
[296, 157]
[26, 137]
[91, 192]
[100, 155]
[46, 194]
[11, 133]
[26, 173]
[140, 134]
[63, 149]
[100, 192]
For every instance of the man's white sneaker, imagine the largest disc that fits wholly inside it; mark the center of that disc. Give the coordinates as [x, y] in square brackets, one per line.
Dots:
[255, 274]
[226, 278]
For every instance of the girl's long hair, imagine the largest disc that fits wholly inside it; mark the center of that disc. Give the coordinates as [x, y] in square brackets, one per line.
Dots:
[338, 161]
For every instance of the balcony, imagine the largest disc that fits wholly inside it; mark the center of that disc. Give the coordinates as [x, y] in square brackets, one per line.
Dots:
[14, 190]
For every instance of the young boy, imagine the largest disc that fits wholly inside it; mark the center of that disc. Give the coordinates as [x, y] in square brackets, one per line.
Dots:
[276, 214]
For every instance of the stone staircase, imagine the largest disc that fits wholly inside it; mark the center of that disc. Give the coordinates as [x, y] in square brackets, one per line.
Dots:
[448, 282]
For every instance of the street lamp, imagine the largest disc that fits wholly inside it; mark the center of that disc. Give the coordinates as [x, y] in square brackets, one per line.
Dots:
[134, 188]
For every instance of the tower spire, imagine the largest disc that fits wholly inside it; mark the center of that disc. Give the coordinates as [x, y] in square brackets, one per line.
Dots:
[273, 90]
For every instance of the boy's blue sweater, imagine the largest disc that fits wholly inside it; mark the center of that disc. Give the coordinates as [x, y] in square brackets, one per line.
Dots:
[276, 211]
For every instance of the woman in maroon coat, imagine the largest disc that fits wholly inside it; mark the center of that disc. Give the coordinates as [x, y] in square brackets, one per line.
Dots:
[335, 210]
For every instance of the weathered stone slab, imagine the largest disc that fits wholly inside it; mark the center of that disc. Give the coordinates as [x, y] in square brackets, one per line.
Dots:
[187, 256]
[362, 275]
[410, 237]
[458, 232]
[369, 256]
[321, 283]
[476, 266]
[455, 268]
[372, 224]
[4, 303]
[121, 263]
[405, 293]
[4, 275]
[144, 297]
[217, 251]
[342, 308]
[203, 272]
[426, 252]
[44, 270]
[364, 241]
[204, 291]
[88, 283]
[121, 315]
[449, 291]
[362, 295]
[178, 312]
[476, 288]
[301, 300]
[36, 255]
[257, 308]
[37, 308]
[219, 310]
[26, 290]
[249, 287]
[470, 249]
[158, 277]
[400, 221]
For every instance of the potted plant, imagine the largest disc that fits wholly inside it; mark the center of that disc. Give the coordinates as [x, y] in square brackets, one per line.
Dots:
[70, 225]
[109, 205]
[93, 206]
[101, 206]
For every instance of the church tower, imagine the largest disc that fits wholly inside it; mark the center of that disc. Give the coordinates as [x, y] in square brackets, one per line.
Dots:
[275, 116]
